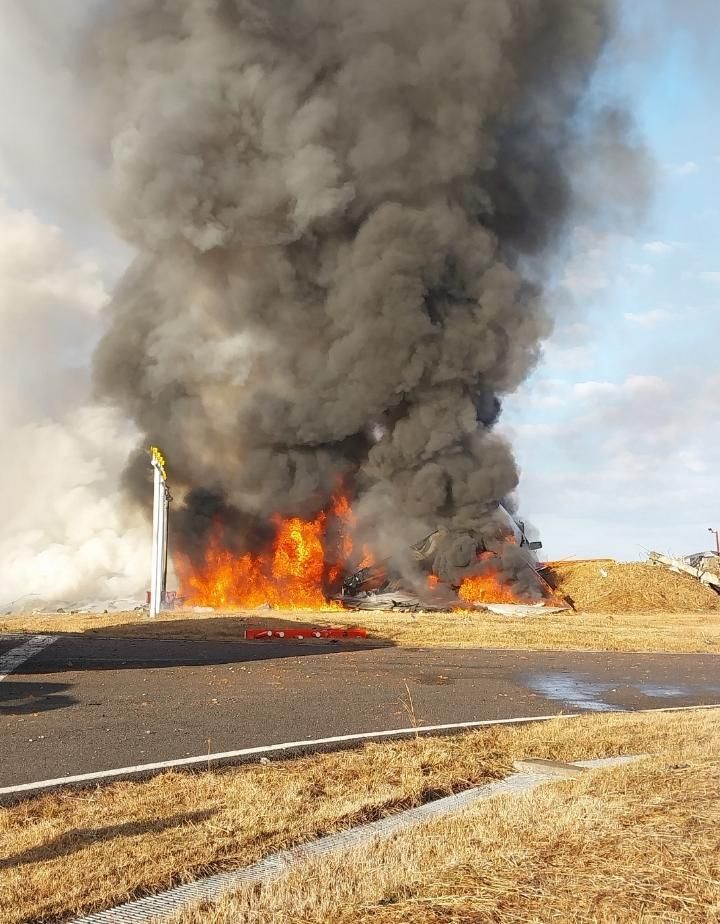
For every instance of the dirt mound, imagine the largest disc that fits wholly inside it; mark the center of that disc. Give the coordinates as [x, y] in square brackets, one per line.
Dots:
[613, 587]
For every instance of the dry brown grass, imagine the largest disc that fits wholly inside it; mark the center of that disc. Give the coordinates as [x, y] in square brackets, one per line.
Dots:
[622, 587]
[632, 631]
[636, 845]
[69, 853]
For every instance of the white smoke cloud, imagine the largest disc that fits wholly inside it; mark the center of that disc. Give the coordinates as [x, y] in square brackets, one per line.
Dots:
[45, 135]
[65, 532]
[50, 298]
[651, 318]
[65, 535]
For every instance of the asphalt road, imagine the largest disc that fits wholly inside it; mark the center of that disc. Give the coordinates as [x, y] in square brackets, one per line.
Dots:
[86, 703]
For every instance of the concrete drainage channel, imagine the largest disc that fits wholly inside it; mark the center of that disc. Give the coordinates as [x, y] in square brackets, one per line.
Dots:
[530, 775]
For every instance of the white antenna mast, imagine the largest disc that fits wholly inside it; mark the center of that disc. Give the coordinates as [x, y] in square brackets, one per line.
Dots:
[161, 503]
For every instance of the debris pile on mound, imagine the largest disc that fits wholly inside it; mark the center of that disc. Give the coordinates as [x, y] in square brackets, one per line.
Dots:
[615, 587]
[705, 561]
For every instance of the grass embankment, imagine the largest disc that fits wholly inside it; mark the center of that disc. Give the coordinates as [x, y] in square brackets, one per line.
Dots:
[630, 587]
[636, 631]
[66, 854]
[630, 846]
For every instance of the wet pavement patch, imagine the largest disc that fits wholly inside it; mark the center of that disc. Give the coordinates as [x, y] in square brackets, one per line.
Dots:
[581, 691]
[660, 690]
[574, 690]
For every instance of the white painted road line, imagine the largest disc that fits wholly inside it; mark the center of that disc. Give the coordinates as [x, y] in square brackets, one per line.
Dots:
[26, 790]
[12, 793]
[14, 658]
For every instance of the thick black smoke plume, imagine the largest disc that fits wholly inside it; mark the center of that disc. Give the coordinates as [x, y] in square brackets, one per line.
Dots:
[335, 205]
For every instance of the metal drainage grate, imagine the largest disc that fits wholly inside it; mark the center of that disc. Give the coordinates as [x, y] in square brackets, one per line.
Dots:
[161, 906]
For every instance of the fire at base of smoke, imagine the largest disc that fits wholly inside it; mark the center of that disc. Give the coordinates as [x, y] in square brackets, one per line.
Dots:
[319, 565]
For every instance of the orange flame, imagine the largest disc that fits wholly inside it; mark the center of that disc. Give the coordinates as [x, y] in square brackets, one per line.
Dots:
[307, 561]
[368, 559]
[487, 587]
[295, 574]
[290, 577]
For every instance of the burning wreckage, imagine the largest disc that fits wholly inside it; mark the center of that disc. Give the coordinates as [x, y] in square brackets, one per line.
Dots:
[377, 587]
[319, 564]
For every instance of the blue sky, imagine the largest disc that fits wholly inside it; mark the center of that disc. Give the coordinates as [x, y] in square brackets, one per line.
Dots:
[617, 432]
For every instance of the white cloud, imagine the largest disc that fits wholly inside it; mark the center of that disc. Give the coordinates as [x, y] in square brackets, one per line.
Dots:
[641, 269]
[691, 461]
[632, 459]
[635, 384]
[597, 261]
[687, 168]
[662, 248]
[713, 277]
[585, 390]
[650, 318]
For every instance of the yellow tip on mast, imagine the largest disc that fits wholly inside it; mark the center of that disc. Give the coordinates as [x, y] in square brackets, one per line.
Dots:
[158, 460]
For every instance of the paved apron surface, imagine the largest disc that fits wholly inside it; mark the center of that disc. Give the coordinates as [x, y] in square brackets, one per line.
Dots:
[86, 703]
